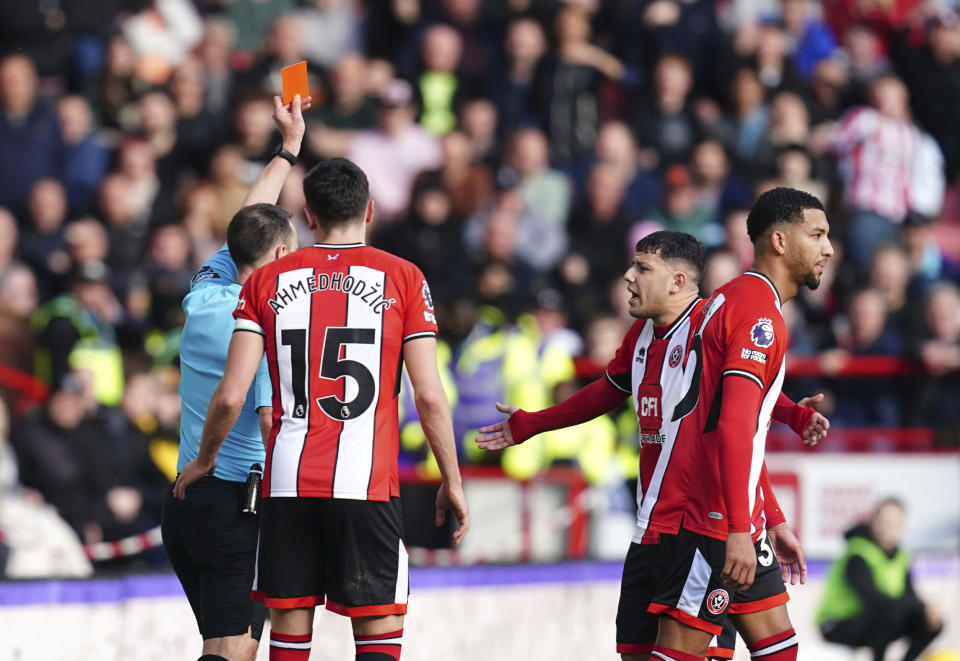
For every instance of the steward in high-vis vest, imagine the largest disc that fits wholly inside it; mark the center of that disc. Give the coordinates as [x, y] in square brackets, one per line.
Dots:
[869, 599]
[74, 333]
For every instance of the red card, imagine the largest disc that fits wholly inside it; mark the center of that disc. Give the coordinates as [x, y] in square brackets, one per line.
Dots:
[293, 80]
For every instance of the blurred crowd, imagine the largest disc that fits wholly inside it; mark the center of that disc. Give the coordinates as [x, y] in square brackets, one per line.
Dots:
[516, 149]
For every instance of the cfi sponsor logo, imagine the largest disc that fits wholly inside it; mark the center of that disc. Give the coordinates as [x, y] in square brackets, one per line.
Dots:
[762, 333]
[675, 356]
[717, 601]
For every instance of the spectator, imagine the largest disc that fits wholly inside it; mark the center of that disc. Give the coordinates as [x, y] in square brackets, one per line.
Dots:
[430, 236]
[750, 121]
[600, 225]
[437, 82]
[932, 72]
[568, 83]
[35, 543]
[683, 210]
[536, 240]
[29, 133]
[928, 263]
[467, 183]
[775, 69]
[874, 401]
[150, 199]
[283, 46]
[617, 145]
[876, 146]
[42, 245]
[666, 123]
[126, 235]
[215, 51]
[168, 267]
[18, 301]
[811, 38]
[721, 267]
[347, 108]
[118, 85]
[169, 156]
[541, 187]
[478, 120]
[940, 353]
[512, 88]
[869, 600]
[161, 35]
[254, 131]
[335, 28]
[198, 131]
[719, 189]
[251, 18]
[75, 331]
[86, 158]
[395, 152]
[890, 275]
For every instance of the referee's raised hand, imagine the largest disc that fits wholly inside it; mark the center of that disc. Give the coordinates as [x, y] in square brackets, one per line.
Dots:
[289, 119]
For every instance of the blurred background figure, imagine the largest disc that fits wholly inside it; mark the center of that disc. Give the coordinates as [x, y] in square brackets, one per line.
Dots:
[869, 600]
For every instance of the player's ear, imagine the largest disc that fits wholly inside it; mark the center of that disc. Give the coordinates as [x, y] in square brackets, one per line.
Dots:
[778, 241]
[368, 218]
[280, 250]
[311, 219]
[679, 282]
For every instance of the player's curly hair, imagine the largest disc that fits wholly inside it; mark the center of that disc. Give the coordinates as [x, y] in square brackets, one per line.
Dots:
[779, 205]
[676, 245]
[336, 191]
[255, 230]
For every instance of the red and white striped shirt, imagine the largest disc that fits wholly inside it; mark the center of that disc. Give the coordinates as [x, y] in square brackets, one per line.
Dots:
[334, 319]
[876, 161]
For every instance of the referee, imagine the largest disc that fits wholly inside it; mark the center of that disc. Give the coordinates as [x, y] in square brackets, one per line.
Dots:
[211, 543]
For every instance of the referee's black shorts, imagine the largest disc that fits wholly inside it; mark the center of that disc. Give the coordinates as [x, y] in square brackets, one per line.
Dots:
[213, 549]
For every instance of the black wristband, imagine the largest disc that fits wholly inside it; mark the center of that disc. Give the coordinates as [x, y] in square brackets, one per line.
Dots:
[284, 154]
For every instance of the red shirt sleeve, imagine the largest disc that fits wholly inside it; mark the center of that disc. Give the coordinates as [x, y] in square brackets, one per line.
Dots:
[247, 312]
[735, 428]
[419, 317]
[620, 368]
[787, 412]
[587, 403]
[755, 344]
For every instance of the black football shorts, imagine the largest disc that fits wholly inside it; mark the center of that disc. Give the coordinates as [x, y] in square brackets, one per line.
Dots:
[347, 554]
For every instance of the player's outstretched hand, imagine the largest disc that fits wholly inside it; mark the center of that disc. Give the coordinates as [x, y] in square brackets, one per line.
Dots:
[498, 436]
[793, 564]
[740, 565]
[289, 119]
[452, 498]
[816, 430]
[190, 474]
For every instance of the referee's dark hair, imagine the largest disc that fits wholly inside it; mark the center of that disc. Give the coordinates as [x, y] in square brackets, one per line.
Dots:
[255, 230]
[676, 245]
[336, 191]
[778, 205]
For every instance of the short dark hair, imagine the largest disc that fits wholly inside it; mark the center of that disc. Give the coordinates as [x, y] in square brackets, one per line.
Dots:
[676, 245]
[255, 230]
[336, 191]
[778, 205]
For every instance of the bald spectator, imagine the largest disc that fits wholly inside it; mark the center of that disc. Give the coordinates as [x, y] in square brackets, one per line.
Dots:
[395, 151]
[284, 44]
[215, 51]
[31, 146]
